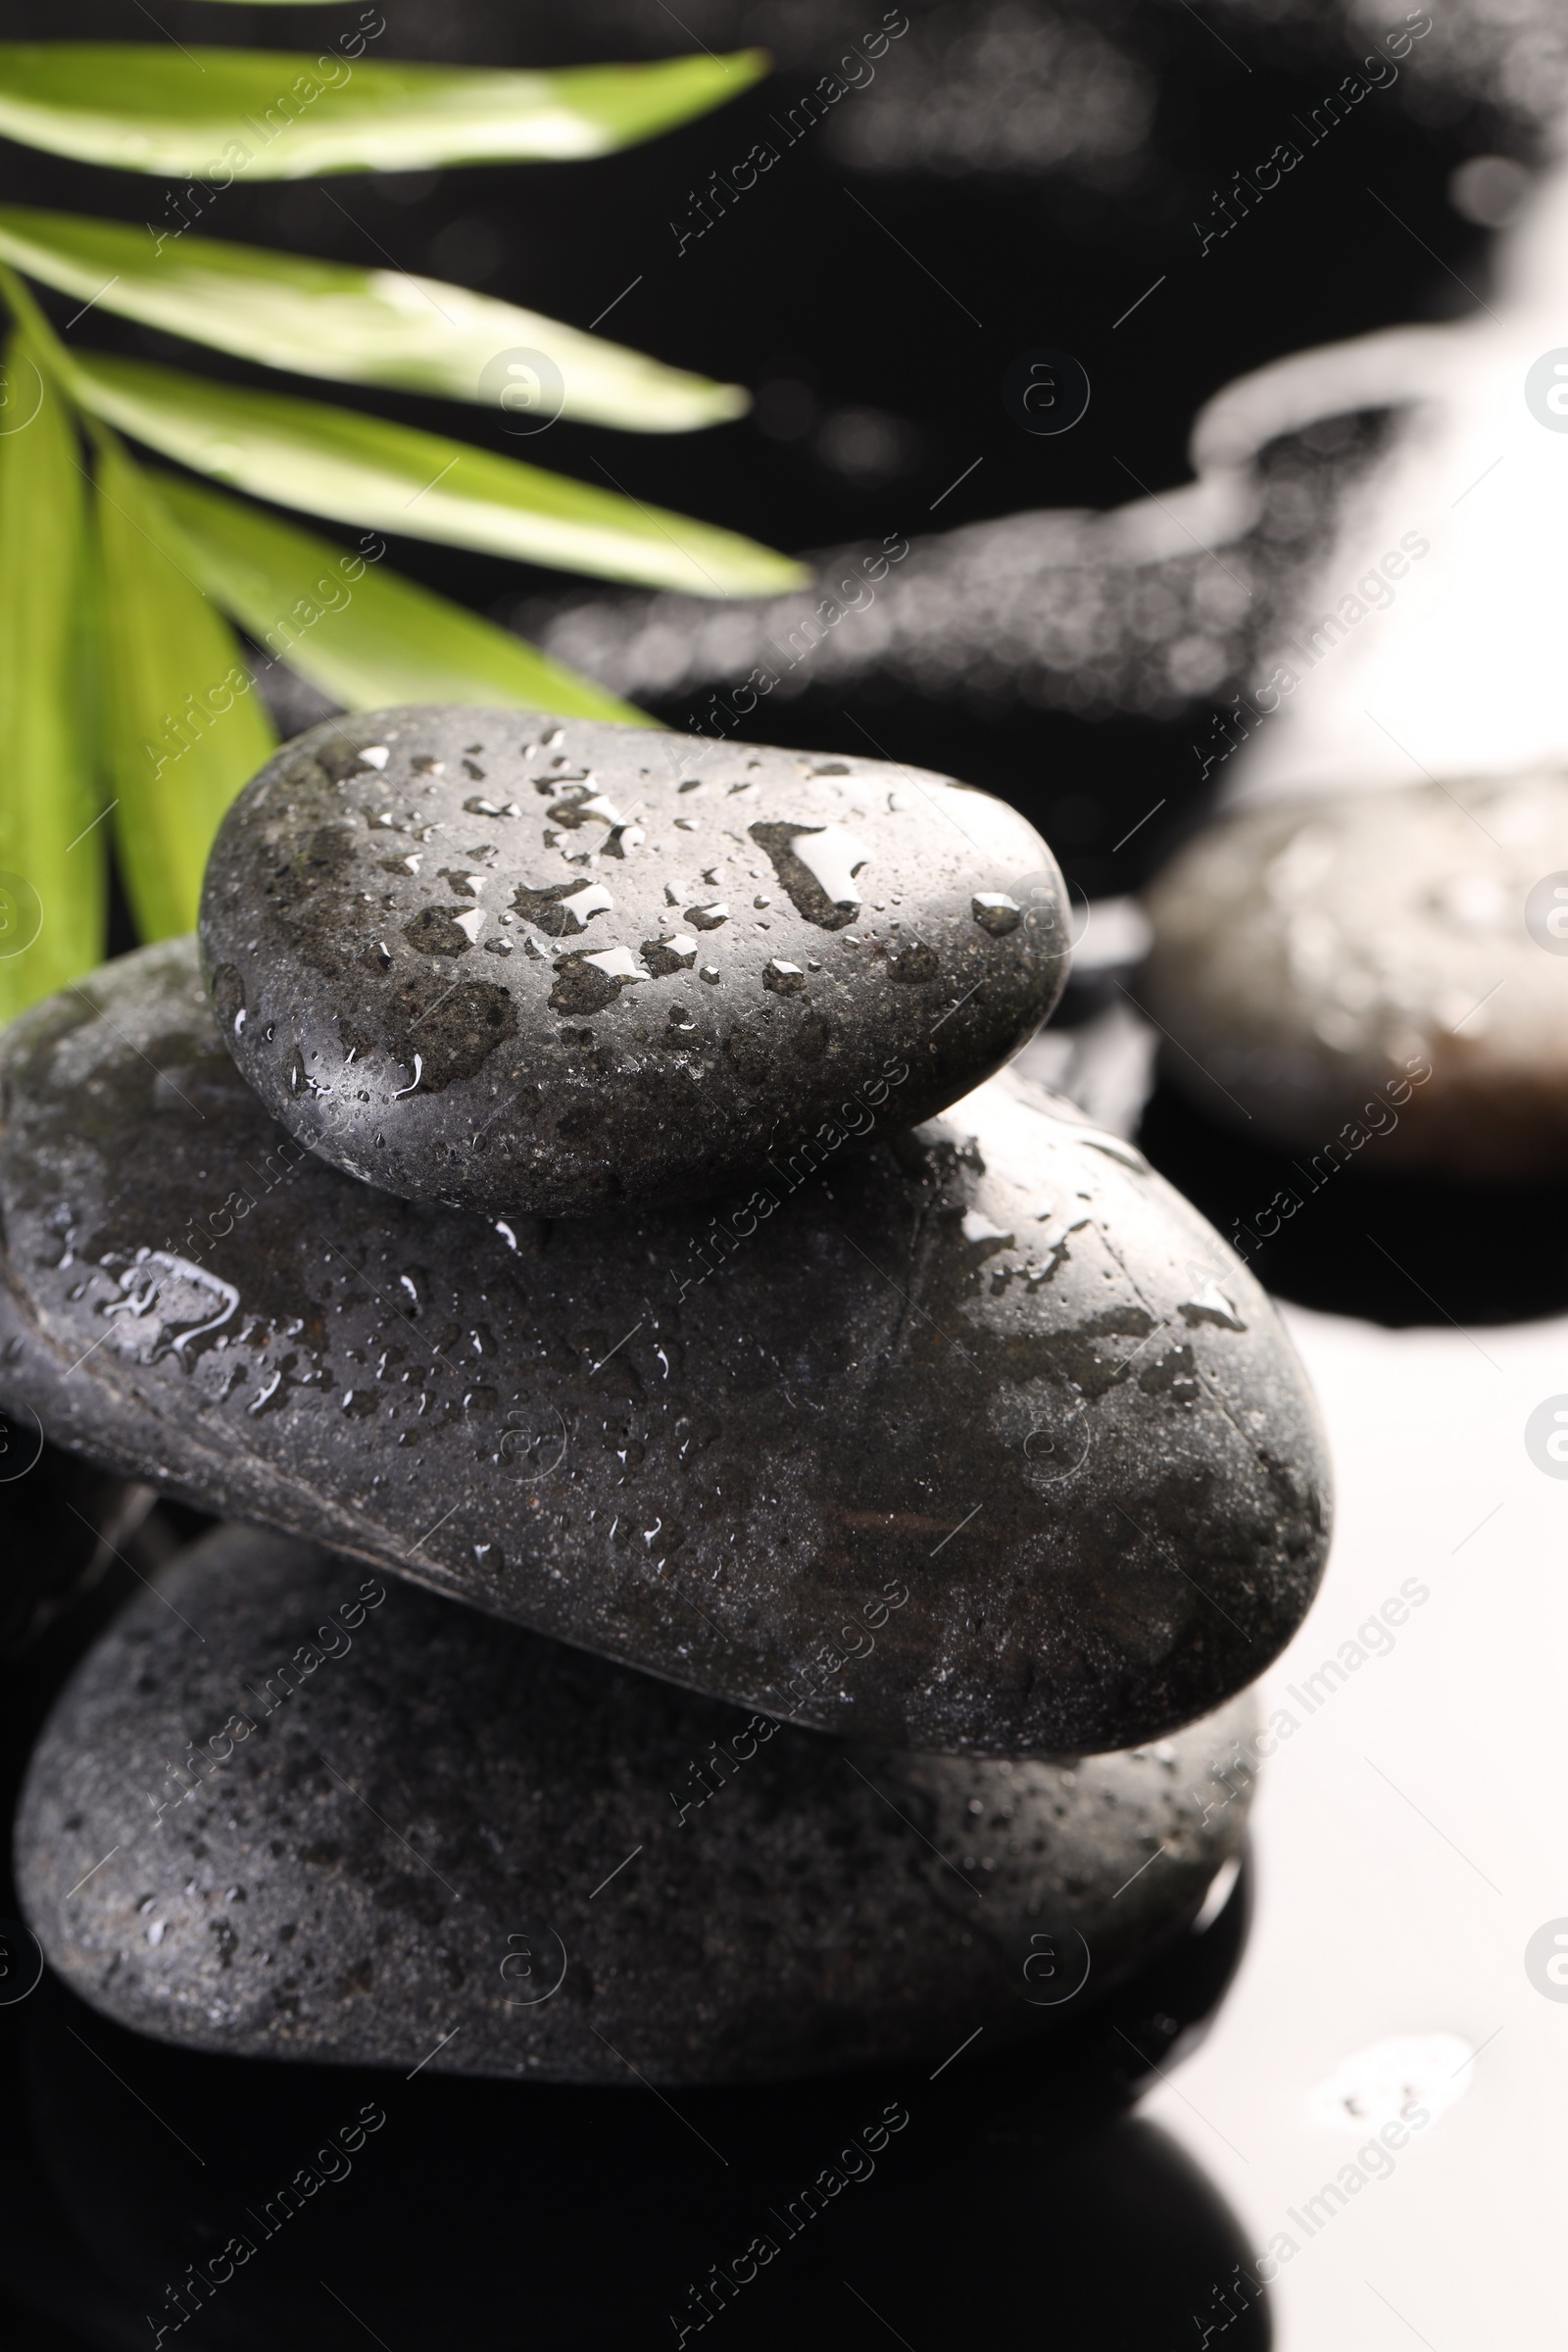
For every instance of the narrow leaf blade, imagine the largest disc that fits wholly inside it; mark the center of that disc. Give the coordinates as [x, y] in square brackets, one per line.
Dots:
[390, 477]
[184, 727]
[52, 856]
[269, 114]
[357, 327]
[357, 630]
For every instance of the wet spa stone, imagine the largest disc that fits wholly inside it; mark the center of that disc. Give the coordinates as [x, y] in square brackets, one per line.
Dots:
[350, 1821]
[1389, 964]
[977, 1438]
[523, 964]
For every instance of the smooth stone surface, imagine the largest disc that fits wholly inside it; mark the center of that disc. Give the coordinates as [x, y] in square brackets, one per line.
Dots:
[443, 1827]
[548, 966]
[978, 1438]
[1313, 959]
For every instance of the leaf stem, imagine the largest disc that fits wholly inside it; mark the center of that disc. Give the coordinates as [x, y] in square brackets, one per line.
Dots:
[31, 319]
[53, 355]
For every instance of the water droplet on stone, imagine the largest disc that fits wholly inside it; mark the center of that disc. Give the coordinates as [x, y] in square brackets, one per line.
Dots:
[441, 931]
[616, 964]
[590, 983]
[816, 865]
[559, 907]
[675, 952]
[592, 808]
[1115, 1147]
[995, 912]
[1209, 1304]
[913, 960]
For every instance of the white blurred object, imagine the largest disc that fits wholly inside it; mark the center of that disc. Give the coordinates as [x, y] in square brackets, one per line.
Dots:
[1454, 667]
[1106, 1065]
[1116, 935]
[1406, 2078]
[1408, 1833]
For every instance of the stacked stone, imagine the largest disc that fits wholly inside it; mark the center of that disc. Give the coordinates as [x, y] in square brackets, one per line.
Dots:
[850, 1493]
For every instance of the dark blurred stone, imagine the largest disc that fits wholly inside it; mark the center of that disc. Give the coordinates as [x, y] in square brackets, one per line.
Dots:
[1379, 1247]
[293, 703]
[61, 1522]
[1373, 979]
[1101, 614]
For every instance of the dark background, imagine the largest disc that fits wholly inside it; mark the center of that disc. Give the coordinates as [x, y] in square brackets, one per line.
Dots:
[1024, 2209]
[876, 388]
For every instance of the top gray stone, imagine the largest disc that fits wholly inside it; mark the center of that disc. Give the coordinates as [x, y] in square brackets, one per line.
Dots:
[548, 966]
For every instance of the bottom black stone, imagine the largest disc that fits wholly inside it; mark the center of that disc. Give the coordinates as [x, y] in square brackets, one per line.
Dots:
[287, 1809]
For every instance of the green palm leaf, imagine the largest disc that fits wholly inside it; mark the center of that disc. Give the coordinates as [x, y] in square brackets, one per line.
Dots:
[361, 470]
[357, 630]
[266, 114]
[51, 855]
[357, 327]
[183, 726]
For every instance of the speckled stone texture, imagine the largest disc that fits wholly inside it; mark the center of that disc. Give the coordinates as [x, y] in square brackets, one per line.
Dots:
[978, 1438]
[548, 966]
[1377, 966]
[399, 1826]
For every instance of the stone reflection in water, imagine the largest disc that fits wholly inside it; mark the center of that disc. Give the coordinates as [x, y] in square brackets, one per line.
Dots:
[955, 2208]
